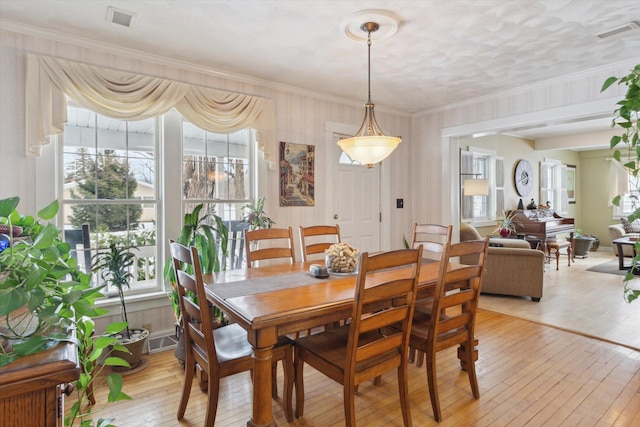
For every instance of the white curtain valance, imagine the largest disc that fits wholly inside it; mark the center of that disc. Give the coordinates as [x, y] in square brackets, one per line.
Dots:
[130, 96]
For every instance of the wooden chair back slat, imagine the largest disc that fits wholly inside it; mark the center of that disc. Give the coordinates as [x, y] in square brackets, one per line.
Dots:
[273, 236]
[310, 246]
[432, 237]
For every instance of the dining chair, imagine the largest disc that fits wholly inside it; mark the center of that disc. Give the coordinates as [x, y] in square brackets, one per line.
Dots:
[432, 237]
[283, 237]
[219, 352]
[310, 243]
[451, 320]
[358, 351]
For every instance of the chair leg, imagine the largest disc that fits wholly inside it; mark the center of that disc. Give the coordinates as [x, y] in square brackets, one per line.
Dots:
[569, 255]
[470, 360]
[403, 388]
[419, 358]
[212, 402]
[289, 375]
[557, 259]
[274, 383]
[299, 380]
[377, 381]
[189, 373]
[349, 405]
[433, 385]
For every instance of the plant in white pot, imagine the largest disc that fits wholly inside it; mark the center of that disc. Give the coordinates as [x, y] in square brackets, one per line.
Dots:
[114, 267]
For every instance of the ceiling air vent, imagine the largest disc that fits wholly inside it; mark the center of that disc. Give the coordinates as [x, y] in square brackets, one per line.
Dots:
[617, 30]
[121, 17]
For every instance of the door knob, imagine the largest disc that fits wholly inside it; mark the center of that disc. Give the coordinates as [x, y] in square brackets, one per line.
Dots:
[335, 216]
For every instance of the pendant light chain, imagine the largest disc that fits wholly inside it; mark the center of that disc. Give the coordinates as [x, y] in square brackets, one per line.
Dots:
[369, 62]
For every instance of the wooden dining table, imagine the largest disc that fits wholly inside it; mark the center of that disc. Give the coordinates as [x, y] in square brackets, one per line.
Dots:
[277, 300]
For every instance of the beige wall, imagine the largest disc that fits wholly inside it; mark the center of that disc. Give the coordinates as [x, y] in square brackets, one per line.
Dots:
[596, 213]
[512, 149]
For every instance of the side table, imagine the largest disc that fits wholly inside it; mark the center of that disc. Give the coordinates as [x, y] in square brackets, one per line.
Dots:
[620, 243]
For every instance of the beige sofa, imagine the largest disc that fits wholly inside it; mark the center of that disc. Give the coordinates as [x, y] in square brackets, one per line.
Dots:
[514, 269]
[617, 231]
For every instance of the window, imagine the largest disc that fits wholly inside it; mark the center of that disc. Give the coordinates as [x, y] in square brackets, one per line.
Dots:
[625, 185]
[553, 185]
[217, 171]
[477, 163]
[113, 187]
[109, 169]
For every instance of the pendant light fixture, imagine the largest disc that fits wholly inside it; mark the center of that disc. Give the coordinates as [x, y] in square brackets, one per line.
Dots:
[369, 145]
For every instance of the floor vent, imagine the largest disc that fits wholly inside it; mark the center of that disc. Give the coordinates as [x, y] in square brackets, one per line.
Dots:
[162, 343]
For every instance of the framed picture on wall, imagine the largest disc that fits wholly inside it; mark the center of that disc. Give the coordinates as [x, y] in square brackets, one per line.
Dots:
[571, 183]
[297, 180]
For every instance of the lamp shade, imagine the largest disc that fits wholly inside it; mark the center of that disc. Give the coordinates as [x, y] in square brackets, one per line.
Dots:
[476, 187]
[369, 149]
[369, 145]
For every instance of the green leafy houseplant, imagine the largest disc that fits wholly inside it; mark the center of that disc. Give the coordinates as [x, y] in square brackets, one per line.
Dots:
[42, 287]
[256, 216]
[627, 150]
[90, 349]
[114, 267]
[42, 292]
[211, 242]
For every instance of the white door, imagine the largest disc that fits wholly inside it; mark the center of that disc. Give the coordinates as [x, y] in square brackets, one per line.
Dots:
[354, 196]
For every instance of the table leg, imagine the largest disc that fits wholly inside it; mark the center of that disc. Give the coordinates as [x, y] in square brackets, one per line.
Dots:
[620, 257]
[262, 410]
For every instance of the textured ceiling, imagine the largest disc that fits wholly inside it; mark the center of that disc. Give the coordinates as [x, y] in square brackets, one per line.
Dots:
[444, 51]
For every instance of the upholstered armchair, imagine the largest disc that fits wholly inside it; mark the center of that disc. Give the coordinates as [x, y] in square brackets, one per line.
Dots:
[512, 267]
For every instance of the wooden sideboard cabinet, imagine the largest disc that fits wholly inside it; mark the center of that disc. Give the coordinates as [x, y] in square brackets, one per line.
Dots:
[30, 387]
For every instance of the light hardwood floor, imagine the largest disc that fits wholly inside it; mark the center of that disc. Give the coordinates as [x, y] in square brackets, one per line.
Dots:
[579, 301]
[529, 373]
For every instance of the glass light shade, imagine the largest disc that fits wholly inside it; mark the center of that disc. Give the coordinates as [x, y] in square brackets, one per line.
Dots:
[369, 149]
[369, 145]
[476, 187]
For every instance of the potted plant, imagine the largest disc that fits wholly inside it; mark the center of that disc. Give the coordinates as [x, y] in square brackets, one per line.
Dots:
[41, 286]
[114, 267]
[582, 244]
[256, 216]
[626, 120]
[211, 241]
[507, 225]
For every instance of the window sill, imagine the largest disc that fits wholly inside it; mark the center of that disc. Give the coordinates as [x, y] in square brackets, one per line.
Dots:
[138, 302]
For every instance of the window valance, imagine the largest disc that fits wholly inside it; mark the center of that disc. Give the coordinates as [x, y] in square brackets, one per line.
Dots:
[130, 96]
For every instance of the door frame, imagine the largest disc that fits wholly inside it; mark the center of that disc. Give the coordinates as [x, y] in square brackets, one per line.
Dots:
[332, 155]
